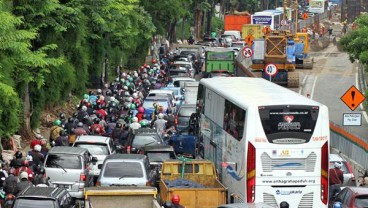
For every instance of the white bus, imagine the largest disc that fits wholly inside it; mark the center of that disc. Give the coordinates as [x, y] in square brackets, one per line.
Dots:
[269, 144]
[270, 18]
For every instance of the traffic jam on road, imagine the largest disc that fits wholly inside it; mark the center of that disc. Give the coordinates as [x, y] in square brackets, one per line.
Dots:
[192, 129]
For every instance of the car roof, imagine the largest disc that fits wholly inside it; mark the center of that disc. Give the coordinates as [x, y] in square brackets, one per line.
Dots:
[182, 62]
[335, 157]
[126, 157]
[160, 91]
[158, 148]
[145, 131]
[67, 150]
[40, 192]
[358, 190]
[93, 138]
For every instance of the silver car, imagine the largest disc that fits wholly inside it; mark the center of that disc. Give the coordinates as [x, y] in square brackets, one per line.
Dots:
[69, 167]
[126, 170]
[99, 146]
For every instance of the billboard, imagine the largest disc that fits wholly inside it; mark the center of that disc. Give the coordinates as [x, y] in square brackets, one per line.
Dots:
[262, 20]
[317, 6]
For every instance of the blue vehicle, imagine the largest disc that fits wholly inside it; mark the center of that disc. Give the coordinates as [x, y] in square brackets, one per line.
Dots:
[184, 144]
[148, 105]
[178, 92]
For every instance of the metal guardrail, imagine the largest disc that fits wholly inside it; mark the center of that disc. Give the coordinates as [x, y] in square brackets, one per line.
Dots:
[353, 147]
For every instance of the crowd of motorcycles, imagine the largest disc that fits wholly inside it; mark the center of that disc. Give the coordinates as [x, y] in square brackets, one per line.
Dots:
[112, 111]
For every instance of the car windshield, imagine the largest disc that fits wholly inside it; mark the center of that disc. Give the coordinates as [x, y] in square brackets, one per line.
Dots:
[34, 203]
[158, 156]
[65, 161]
[94, 148]
[177, 73]
[145, 140]
[361, 201]
[149, 103]
[237, 45]
[123, 169]
[187, 111]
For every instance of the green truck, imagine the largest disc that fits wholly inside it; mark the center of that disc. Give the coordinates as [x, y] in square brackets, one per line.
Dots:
[219, 60]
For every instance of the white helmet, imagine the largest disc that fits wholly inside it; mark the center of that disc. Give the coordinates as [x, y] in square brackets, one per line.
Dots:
[135, 119]
[160, 115]
[84, 108]
[112, 99]
[99, 91]
[23, 175]
[126, 93]
[37, 148]
[124, 74]
[135, 95]
[338, 164]
[117, 79]
[125, 87]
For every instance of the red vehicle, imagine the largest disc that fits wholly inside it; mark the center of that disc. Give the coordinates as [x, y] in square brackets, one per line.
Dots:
[352, 197]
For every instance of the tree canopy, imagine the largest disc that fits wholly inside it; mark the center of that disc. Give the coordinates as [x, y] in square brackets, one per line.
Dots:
[356, 41]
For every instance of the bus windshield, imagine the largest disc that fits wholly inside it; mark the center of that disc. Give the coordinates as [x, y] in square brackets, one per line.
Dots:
[288, 122]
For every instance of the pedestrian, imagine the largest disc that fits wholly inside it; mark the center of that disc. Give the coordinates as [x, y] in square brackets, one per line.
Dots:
[336, 177]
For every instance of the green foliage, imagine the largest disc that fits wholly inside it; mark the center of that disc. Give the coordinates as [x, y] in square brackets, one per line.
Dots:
[356, 41]
[217, 24]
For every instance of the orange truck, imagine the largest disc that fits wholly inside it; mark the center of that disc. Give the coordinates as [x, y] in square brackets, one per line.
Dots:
[236, 21]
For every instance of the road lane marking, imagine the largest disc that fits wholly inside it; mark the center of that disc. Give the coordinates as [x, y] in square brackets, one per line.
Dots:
[313, 86]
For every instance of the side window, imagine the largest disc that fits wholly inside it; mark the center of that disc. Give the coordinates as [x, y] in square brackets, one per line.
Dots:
[346, 197]
[234, 118]
[341, 195]
[201, 97]
[112, 146]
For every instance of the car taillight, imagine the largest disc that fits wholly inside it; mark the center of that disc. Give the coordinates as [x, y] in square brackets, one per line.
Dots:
[129, 149]
[82, 177]
[98, 183]
[176, 120]
[251, 172]
[324, 173]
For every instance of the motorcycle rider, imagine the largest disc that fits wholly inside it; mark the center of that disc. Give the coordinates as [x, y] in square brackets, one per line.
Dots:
[40, 178]
[135, 125]
[160, 124]
[17, 161]
[55, 130]
[37, 157]
[79, 131]
[10, 183]
[63, 139]
[336, 179]
[24, 182]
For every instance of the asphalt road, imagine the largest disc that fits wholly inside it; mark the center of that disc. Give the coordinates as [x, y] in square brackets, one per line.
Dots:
[332, 75]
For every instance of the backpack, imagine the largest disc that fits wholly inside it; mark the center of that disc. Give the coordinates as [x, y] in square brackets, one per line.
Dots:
[11, 185]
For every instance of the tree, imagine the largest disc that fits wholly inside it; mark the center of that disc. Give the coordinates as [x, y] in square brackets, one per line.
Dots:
[356, 41]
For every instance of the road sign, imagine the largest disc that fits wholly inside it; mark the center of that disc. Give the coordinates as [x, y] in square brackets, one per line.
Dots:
[352, 119]
[249, 40]
[353, 98]
[271, 69]
[247, 52]
[305, 16]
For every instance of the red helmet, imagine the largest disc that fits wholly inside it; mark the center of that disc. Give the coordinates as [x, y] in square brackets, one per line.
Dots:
[175, 199]
[25, 163]
[154, 61]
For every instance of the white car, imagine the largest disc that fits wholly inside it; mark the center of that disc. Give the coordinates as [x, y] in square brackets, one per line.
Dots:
[99, 147]
[185, 64]
[179, 81]
[169, 94]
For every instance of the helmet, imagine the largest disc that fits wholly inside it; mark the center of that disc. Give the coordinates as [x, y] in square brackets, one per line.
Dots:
[160, 115]
[84, 108]
[97, 130]
[25, 163]
[24, 175]
[131, 79]
[338, 164]
[135, 95]
[99, 91]
[37, 148]
[62, 116]
[132, 106]
[119, 125]
[337, 205]
[143, 123]
[175, 199]
[112, 99]
[70, 120]
[18, 155]
[80, 124]
[117, 79]
[57, 122]
[135, 119]
[85, 96]
[63, 133]
[127, 84]
[112, 119]
[97, 120]
[140, 109]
